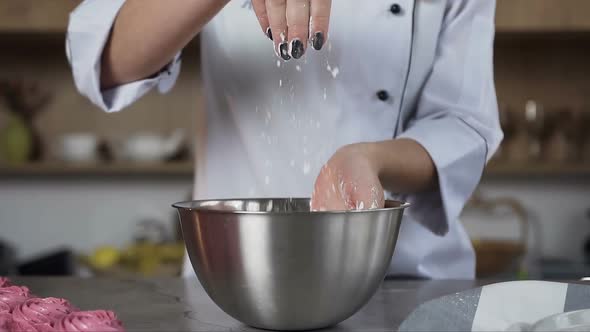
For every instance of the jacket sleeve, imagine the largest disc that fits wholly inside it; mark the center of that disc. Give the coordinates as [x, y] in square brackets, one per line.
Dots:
[88, 31]
[456, 119]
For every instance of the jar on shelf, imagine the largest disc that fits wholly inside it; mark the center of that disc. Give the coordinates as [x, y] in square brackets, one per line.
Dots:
[561, 133]
[535, 124]
[527, 128]
[508, 124]
[584, 140]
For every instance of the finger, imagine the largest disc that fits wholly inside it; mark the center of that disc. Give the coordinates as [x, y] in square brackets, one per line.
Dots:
[327, 194]
[320, 22]
[298, 24]
[323, 199]
[276, 11]
[260, 10]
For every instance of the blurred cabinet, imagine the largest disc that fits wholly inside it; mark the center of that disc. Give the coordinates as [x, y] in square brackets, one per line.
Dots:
[35, 16]
[520, 16]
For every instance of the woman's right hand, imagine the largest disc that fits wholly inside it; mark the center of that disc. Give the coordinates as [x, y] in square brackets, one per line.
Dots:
[292, 23]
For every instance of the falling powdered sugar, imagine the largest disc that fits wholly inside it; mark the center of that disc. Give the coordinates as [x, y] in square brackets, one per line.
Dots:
[306, 167]
[334, 71]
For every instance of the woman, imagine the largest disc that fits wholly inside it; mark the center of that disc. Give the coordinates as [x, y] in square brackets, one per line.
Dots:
[399, 97]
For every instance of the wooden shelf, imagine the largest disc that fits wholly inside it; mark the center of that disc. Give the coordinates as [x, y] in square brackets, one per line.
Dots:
[542, 16]
[34, 16]
[513, 16]
[114, 169]
[496, 169]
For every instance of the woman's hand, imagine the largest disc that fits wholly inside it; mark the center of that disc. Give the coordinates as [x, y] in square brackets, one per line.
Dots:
[349, 181]
[292, 23]
[355, 177]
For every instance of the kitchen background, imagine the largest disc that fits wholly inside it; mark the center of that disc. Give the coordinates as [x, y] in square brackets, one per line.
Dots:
[89, 193]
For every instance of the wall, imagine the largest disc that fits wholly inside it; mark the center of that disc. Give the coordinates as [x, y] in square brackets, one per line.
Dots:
[70, 112]
[558, 213]
[84, 213]
[552, 69]
[41, 214]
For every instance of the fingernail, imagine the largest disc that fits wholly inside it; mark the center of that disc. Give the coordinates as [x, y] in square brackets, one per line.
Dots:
[317, 41]
[284, 50]
[297, 48]
[269, 33]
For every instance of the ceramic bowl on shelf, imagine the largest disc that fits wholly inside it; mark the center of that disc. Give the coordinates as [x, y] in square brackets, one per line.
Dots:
[78, 148]
[149, 147]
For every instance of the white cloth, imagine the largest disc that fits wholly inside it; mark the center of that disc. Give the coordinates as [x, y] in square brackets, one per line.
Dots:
[509, 306]
[271, 125]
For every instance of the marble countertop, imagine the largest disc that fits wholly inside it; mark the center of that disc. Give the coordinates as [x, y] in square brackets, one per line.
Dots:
[183, 305]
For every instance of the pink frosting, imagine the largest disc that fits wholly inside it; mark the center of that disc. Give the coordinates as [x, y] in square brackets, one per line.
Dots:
[23, 326]
[4, 307]
[5, 321]
[5, 282]
[82, 321]
[14, 295]
[37, 314]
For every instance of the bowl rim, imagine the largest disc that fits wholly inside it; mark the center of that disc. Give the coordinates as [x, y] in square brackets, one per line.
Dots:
[184, 207]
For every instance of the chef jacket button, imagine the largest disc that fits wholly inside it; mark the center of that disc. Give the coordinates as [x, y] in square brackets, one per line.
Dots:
[396, 9]
[383, 95]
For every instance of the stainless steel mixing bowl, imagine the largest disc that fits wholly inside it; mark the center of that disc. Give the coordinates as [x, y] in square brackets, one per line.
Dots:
[273, 264]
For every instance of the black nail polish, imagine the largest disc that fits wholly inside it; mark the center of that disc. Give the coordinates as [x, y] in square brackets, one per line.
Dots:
[317, 41]
[269, 33]
[297, 48]
[284, 48]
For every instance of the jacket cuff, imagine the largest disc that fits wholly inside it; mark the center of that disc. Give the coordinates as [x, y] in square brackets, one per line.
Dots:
[459, 154]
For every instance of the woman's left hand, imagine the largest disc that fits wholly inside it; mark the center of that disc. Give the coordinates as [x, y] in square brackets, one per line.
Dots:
[292, 23]
[349, 181]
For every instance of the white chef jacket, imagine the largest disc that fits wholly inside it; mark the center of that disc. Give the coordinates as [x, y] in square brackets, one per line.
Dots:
[423, 73]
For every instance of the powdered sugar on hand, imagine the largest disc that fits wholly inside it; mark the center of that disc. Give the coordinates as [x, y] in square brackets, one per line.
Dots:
[360, 205]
